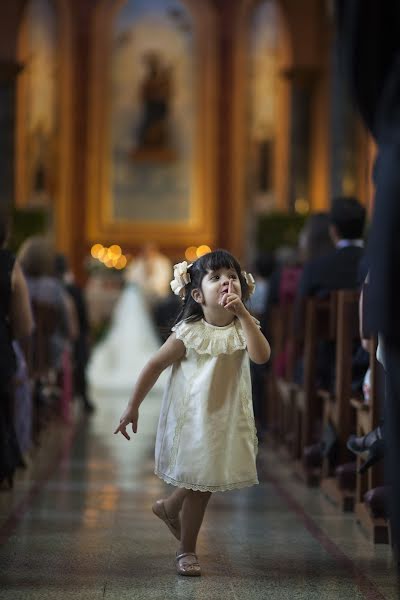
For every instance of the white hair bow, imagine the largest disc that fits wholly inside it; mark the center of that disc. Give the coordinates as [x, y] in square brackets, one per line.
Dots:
[181, 278]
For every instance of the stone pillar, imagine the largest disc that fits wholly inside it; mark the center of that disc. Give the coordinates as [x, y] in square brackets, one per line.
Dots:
[82, 15]
[343, 136]
[301, 81]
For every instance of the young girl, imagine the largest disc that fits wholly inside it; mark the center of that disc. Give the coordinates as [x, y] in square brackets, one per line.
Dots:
[206, 438]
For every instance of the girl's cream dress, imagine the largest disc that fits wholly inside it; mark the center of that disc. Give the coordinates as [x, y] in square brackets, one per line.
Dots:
[206, 438]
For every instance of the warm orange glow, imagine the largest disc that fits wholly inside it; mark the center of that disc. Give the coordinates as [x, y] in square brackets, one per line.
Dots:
[349, 185]
[115, 250]
[95, 250]
[301, 206]
[102, 254]
[201, 250]
[108, 262]
[191, 253]
[121, 262]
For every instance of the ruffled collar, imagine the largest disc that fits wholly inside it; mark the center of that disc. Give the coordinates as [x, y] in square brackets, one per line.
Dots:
[205, 338]
[220, 327]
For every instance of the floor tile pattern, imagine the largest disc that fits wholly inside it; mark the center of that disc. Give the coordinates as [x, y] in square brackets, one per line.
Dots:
[79, 526]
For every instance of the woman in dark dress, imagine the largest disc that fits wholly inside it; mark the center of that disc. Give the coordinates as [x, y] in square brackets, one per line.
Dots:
[15, 323]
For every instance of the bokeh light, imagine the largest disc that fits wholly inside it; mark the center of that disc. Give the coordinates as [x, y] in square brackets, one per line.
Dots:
[191, 253]
[102, 254]
[115, 251]
[95, 250]
[108, 261]
[201, 250]
[301, 206]
[121, 262]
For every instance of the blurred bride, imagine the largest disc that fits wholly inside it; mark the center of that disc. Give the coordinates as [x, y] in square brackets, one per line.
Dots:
[132, 338]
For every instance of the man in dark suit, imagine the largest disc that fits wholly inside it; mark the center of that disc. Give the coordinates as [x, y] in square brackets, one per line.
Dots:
[368, 35]
[338, 269]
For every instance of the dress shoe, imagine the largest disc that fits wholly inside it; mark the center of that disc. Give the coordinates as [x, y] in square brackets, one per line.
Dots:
[359, 445]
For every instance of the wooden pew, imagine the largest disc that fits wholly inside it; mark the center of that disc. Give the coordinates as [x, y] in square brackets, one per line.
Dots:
[308, 407]
[338, 411]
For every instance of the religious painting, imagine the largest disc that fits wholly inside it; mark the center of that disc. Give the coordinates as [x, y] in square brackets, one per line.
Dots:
[153, 139]
[37, 106]
[152, 100]
[262, 94]
[152, 111]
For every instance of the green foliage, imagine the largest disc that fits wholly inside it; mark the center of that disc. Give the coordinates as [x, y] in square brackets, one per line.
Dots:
[26, 223]
[278, 229]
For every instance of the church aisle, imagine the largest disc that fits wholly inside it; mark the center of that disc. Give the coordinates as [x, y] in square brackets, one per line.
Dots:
[88, 532]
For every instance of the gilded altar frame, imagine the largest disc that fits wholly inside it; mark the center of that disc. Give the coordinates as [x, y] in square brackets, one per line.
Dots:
[200, 227]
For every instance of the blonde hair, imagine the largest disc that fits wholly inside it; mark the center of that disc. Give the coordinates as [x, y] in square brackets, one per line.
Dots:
[36, 256]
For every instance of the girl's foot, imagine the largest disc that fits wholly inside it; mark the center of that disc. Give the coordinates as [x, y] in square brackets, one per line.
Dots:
[187, 564]
[173, 523]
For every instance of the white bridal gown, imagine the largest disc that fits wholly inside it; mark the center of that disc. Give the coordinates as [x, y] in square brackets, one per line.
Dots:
[131, 340]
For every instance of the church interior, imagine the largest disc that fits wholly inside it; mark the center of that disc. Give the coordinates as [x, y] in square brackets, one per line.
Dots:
[136, 135]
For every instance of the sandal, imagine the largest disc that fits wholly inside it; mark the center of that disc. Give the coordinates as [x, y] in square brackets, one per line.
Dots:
[174, 525]
[187, 564]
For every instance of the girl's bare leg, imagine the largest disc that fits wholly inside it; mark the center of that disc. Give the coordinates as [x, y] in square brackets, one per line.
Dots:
[173, 504]
[193, 509]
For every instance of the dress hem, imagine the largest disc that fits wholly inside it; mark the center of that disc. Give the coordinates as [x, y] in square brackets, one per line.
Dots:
[205, 488]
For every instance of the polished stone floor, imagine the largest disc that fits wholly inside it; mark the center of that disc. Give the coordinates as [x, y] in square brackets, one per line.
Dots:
[79, 526]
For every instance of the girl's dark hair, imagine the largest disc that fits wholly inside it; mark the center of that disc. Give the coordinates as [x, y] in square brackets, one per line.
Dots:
[219, 259]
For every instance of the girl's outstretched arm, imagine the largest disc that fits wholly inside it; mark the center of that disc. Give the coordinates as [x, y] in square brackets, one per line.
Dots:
[170, 352]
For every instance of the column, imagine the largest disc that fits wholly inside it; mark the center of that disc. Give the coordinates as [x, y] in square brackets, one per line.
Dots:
[301, 81]
[343, 135]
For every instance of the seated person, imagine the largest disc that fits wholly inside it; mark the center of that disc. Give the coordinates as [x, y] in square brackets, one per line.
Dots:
[36, 257]
[16, 323]
[314, 241]
[339, 268]
[335, 270]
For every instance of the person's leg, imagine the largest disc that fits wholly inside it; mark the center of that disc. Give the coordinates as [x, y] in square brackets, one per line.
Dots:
[193, 509]
[173, 504]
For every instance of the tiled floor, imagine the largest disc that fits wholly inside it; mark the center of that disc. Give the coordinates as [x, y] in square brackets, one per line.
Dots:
[81, 528]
